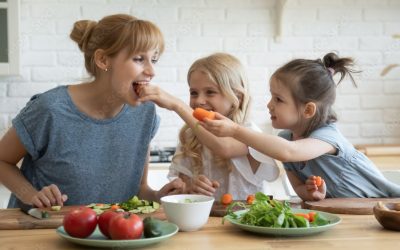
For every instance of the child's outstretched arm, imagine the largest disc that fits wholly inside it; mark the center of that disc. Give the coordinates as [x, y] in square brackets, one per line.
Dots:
[307, 191]
[11, 152]
[271, 145]
[224, 147]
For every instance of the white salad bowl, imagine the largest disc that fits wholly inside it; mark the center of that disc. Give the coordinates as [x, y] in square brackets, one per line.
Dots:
[189, 211]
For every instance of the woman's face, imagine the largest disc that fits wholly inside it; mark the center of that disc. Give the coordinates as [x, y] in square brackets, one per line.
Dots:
[207, 95]
[282, 108]
[129, 71]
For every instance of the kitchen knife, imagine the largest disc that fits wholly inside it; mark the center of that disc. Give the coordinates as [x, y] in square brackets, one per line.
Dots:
[33, 211]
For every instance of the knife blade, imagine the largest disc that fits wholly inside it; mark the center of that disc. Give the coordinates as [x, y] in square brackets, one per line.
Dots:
[33, 211]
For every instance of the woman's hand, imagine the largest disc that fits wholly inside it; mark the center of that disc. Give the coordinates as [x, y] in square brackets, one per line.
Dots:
[49, 196]
[316, 192]
[157, 95]
[177, 186]
[202, 185]
[221, 126]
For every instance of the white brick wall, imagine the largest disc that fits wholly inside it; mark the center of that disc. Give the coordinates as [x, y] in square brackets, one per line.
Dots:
[245, 28]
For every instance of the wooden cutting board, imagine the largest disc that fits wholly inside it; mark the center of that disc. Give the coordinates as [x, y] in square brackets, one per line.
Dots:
[347, 205]
[218, 210]
[16, 219]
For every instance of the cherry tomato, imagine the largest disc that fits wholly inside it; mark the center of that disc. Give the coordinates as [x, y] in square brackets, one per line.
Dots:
[250, 199]
[226, 199]
[80, 222]
[125, 226]
[318, 181]
[104, 221]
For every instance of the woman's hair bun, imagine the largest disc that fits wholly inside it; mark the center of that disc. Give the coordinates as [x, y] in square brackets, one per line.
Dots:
[81, 33]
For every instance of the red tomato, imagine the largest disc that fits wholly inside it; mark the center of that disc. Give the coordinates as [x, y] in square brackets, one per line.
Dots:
[104, 221]
[80, 222]
[126, 226]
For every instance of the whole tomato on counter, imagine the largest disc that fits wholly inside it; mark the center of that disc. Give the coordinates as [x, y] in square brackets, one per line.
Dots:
[125, 226]
[104, 221]
[80, 222]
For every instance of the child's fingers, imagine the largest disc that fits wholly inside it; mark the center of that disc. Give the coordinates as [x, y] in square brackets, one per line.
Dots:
[205, 180]
[215, 184]
[202, 190]
[218, 116]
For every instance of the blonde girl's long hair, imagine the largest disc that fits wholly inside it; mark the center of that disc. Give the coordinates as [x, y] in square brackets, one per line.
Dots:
[114, 33]
[229, 75]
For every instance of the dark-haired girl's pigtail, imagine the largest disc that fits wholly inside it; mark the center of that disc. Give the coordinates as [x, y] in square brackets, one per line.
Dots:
[344, 66]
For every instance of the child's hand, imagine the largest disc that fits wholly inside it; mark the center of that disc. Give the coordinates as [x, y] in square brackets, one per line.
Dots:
[316, 187]
[177, 186]
[49, 196]
[202, 185]
[157, 95]
[221, 126]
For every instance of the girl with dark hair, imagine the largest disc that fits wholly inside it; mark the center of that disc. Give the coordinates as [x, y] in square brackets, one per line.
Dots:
[310, 145]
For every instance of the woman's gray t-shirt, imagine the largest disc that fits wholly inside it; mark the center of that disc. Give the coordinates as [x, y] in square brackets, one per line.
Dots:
[349, 173]
[90, 160]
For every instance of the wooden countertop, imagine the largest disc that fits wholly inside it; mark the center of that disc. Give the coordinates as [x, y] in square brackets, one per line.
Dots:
[354, 232]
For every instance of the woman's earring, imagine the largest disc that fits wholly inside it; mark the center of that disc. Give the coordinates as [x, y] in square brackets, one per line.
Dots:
[105, 69]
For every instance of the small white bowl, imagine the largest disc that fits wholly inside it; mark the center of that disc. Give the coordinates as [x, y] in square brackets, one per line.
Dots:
[189, 211]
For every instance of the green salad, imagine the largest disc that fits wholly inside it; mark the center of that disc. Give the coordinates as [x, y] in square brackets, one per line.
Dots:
[265, 212]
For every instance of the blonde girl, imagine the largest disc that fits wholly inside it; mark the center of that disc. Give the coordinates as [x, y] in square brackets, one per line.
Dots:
[208, 164]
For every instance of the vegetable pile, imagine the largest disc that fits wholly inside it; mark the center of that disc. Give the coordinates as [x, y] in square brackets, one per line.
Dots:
[265, 212]
[133, 205]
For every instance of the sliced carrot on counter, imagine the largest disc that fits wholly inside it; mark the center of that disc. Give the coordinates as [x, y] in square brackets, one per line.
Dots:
[250, 199]
[200, 114]
[226, 199]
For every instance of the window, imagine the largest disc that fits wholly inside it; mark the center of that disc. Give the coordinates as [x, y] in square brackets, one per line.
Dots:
[9, 32]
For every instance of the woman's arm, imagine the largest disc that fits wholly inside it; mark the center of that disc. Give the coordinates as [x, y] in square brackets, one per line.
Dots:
[11, 152]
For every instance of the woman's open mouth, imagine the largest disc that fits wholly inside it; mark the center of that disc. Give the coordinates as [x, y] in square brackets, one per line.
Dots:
[137, 86]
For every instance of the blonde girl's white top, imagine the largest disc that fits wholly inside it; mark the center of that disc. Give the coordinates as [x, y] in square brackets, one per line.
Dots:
[240, 180]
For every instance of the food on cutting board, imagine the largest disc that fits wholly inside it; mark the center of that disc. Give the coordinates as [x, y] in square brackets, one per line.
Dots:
[133, 205]
[266, 212]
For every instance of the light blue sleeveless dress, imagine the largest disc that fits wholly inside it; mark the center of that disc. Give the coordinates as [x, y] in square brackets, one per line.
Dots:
[349, 173]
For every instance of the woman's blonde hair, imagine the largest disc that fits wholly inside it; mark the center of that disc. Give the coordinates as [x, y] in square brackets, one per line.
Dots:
[113, 34]
[229, 75]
